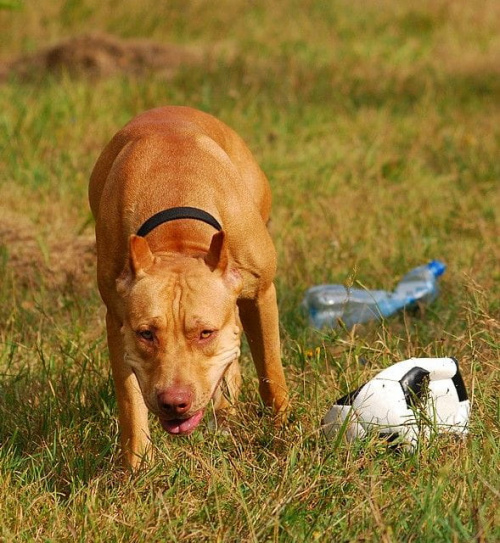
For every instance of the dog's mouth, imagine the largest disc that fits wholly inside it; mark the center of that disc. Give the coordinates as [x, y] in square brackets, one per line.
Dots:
[182, 427]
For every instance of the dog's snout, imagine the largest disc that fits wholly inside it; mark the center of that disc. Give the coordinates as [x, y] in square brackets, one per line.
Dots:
[175, 401]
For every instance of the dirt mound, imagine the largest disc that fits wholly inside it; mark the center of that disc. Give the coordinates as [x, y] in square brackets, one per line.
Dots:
[59, 262]
[102, 55]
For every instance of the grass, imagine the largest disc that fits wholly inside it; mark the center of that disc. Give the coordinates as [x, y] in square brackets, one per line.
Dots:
[378, 126]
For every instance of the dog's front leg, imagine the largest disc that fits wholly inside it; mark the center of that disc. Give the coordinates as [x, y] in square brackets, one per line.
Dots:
[260, 321]
[132, 411]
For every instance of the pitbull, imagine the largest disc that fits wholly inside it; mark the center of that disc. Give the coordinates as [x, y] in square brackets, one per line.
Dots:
[184, 262]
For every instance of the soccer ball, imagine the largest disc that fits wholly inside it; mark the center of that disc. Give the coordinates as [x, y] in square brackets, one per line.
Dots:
[408, 399]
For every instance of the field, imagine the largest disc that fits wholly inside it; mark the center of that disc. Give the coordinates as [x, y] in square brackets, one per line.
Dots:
[378, 125]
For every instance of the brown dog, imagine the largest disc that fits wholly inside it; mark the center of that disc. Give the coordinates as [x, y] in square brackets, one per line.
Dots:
[182, 248]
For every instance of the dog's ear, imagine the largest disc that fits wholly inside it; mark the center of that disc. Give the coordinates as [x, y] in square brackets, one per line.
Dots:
[218, 259]
[140, 255]
[217, 256]
[140, 258]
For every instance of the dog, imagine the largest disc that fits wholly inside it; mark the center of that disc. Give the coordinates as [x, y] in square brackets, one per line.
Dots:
[184, 263]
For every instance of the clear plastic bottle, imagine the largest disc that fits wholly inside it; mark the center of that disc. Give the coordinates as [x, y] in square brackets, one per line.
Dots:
[327, 304]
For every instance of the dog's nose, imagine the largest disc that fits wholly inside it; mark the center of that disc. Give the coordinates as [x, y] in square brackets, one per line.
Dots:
[175, 401]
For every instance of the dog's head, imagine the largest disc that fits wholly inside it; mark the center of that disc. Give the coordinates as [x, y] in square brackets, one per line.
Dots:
[181, 328]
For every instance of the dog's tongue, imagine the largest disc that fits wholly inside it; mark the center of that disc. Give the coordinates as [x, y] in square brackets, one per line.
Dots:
[182, 426]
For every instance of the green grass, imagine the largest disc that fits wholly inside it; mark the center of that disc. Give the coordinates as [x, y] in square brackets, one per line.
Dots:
[378, 124]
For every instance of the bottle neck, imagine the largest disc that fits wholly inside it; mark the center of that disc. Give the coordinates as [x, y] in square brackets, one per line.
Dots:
[436, 267]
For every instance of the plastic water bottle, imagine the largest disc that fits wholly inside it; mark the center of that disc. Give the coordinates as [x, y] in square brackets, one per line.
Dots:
[327, 304]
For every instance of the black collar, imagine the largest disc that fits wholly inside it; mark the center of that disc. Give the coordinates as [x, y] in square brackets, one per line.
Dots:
[175, 213]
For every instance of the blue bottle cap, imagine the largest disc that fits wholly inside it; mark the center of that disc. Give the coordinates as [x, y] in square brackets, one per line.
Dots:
[436, 267]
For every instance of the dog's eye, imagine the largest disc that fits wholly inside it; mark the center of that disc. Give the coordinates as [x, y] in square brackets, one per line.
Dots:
[205, 334]
[147, 335]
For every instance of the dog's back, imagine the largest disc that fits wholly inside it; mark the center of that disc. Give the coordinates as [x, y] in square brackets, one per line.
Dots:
[174, 126]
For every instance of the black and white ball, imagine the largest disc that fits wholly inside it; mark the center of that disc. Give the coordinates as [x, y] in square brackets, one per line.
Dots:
[419, 395]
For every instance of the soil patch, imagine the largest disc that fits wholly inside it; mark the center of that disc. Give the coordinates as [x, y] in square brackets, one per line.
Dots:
[103, 55]
[61, 261]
